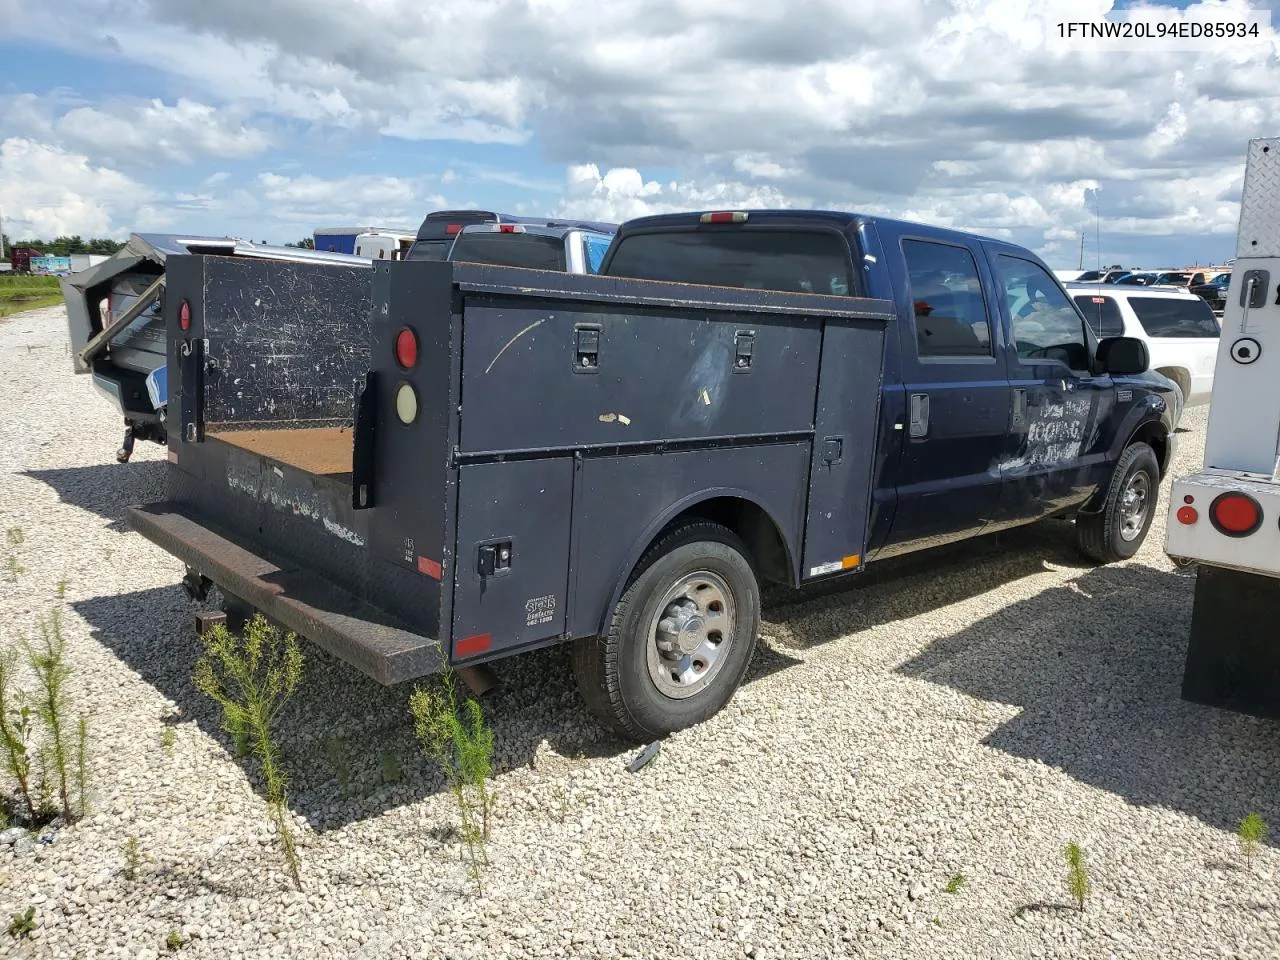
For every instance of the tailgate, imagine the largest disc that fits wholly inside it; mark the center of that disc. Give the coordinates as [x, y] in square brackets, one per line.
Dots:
[263, 385]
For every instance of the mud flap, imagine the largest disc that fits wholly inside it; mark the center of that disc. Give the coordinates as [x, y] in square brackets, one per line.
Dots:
[1233, 661]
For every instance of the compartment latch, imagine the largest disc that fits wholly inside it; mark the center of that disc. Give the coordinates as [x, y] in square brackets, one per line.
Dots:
[586, 347]
[494, 558]
[743, 350]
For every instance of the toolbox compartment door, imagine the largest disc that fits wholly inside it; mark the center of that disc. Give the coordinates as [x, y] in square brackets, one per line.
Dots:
[522, 507]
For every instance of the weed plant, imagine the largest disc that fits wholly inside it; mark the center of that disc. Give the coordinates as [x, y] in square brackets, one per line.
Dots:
[251, 676]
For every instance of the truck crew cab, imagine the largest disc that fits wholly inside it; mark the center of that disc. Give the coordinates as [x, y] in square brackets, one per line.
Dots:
[617, 461]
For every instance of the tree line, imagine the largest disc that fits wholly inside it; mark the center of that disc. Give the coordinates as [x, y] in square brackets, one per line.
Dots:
[65, 246]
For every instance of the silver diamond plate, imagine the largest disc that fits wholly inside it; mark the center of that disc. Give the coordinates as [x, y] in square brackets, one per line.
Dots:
[1259, 234]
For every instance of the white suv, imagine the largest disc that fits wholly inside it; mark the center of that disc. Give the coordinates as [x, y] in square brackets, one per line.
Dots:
[1179, 327]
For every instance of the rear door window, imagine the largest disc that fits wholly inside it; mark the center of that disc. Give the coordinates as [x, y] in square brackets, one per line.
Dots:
[797, 261]
[1102, 314]
[946, 294]
[1175, 317]
[530, 250]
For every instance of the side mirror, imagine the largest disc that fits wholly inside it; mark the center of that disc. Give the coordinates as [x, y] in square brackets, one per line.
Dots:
[1123, 356]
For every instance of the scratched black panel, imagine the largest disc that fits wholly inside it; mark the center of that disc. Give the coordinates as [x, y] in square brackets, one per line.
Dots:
[527, 505]
[412, 478]
[845, 435]
[299, 518]
[287, 341]
[658, 374]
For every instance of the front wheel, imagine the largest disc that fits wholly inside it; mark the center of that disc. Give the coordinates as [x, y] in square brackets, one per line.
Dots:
[1117, 530]
[681, 636]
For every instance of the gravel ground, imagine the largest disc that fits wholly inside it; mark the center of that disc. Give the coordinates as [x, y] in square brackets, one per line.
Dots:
[963, 714]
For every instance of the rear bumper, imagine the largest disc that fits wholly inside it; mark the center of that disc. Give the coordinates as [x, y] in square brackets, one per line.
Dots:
[1257, 552]
[368, 638]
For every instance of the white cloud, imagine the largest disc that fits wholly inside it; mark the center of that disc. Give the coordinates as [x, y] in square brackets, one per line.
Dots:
[621, 193]
[963, 112]
[47, 192]
[151, 131]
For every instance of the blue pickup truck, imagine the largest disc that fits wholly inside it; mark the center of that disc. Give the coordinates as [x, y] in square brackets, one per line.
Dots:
[618, 460]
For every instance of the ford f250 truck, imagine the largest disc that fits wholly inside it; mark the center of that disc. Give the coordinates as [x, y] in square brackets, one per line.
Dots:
[495, 459]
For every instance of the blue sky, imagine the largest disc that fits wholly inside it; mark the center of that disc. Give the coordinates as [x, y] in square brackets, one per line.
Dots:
[268, 119]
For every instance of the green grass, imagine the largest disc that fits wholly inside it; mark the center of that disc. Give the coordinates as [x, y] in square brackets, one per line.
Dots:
[28, 293]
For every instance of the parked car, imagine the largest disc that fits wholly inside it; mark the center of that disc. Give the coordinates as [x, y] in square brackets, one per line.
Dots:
[383, 245]
[1108, 275]
[1178, 327]
[440, 227]
[1214, 291]
[1144, 279]
[618, 461]
[533, 246]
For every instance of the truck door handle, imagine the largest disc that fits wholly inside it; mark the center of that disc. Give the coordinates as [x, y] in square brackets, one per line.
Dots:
[1019, 405]
[919, 426]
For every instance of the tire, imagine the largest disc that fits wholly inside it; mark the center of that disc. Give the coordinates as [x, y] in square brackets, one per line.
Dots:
[628, 683]
[1113, 533]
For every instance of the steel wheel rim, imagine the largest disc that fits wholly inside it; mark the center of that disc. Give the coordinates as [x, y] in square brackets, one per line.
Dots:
[690, 634]
[1134, 504]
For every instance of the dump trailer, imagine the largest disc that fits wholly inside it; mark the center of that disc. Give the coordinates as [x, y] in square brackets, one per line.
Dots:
[1225, 518]
[118, 337]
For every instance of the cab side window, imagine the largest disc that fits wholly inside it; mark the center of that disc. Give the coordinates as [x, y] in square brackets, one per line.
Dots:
[1046, 326]
[946, 294]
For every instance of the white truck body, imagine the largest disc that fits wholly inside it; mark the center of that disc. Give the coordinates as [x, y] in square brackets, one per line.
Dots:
[382, 245]
[1226, 517]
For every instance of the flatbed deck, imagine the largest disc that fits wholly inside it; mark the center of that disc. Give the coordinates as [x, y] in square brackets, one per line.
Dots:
[324, 451]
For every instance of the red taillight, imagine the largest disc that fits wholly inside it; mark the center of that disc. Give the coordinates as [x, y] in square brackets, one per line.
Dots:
[453, 228]
[1235, 514]
[184, 315]
[1188, 498]
[724, 216]
[510, 228]
[406, 348]
[1187, 515]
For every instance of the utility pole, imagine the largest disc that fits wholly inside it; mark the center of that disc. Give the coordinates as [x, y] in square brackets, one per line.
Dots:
[1, 234]
[1081, 249]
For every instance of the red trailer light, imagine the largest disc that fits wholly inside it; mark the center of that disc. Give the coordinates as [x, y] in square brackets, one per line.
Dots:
[1235, 514]
[725, 216]
[1187, 515]
[184, 315]
[406, 348]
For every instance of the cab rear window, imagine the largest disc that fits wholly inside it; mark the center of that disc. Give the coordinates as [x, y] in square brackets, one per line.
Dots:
[529, 250]
[798, 261]
[429, 250]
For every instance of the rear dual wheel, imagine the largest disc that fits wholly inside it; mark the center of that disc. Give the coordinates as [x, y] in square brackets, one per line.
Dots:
[680, 639]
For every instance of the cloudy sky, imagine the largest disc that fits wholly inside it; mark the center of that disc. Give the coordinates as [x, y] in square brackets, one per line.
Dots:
[267, 118]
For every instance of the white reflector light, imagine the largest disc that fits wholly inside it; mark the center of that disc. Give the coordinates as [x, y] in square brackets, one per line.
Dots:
[406, 403]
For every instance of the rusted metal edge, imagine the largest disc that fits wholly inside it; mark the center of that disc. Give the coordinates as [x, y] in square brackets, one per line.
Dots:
[382, 649]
